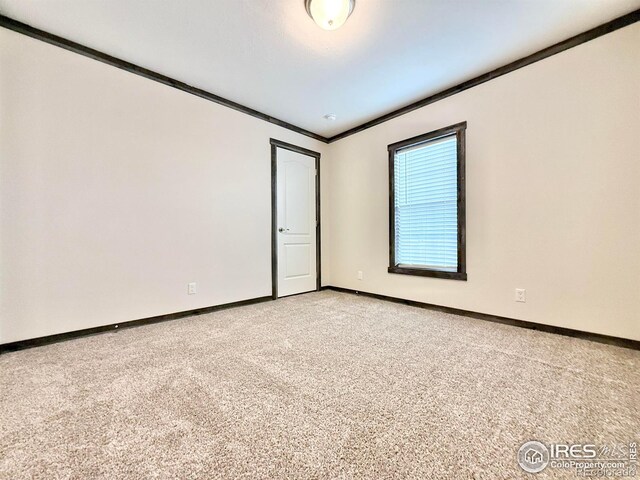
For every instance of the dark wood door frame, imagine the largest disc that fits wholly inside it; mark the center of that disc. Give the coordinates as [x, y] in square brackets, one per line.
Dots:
[275, 144]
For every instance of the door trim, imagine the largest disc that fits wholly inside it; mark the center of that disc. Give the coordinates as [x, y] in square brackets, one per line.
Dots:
[275, 144]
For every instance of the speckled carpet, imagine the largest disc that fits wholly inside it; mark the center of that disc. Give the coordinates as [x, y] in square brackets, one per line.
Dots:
[322, 385]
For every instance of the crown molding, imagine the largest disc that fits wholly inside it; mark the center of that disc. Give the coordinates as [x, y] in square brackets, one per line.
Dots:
[559, 47]
[75, 47]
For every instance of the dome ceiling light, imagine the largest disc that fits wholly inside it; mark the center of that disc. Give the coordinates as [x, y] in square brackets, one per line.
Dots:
[329, 14]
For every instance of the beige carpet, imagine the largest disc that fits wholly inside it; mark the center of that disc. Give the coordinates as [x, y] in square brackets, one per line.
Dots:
[323, 385]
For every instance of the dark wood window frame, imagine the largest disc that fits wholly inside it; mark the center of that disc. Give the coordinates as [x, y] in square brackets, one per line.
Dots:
[461, 274]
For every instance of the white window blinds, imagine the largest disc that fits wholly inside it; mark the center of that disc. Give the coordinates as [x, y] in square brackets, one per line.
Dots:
[426, 206]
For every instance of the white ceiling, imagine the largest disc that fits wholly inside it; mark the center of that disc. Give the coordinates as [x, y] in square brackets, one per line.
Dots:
[270, 56]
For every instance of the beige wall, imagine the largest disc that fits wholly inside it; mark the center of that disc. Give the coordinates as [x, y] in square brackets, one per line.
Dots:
[116, 191]
[553, 202]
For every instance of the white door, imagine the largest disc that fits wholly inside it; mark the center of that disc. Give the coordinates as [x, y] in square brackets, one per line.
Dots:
[296, 203]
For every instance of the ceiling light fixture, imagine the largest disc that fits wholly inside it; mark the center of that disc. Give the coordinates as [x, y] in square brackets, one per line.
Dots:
[329, 14]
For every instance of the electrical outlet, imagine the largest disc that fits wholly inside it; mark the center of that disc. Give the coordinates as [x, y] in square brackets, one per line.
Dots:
[360, 275]
[192, 288]
[521, 295]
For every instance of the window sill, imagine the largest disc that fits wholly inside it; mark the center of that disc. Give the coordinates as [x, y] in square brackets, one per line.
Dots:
[423, 272]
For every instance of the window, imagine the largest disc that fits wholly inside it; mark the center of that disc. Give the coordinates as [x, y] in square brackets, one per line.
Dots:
[426, 204]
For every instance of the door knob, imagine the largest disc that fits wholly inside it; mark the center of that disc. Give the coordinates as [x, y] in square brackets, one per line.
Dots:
[281, 229]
